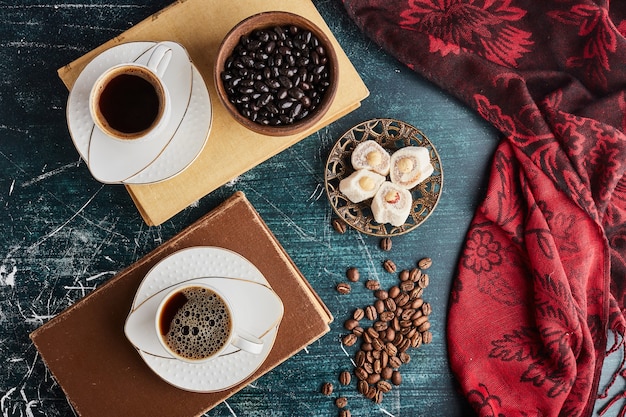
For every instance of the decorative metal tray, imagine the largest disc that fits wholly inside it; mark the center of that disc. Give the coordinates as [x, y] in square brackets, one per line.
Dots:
[392, 135]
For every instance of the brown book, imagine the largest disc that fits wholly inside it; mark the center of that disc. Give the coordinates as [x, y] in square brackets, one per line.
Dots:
[101, 372]
[231, 149]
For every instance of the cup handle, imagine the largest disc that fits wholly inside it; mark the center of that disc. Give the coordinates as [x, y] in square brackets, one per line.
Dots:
[160, 59]
[248, 342]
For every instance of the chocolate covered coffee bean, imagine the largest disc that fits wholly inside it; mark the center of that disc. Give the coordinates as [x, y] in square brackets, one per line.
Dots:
[277, 76]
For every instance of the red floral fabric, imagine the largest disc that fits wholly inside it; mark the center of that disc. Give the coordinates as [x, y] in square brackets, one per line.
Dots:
[541, 278]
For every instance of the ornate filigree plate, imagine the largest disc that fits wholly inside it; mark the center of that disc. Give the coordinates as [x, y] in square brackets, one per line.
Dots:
[392, 135]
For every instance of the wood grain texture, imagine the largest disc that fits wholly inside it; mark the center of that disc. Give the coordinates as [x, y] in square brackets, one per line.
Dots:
[63, 234]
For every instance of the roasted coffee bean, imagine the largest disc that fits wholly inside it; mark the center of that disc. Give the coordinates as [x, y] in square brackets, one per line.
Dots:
[423, 281]
[404, 275]
[288, 58]
[383, 386]
[349, 339]
[419, 321]
[386, 373]
[373, 378]
[416, 294]
[389, 266]
[403, 346]
[415, 274]
[385, 243]
[345, 378]
[396, 378]
[391, 349]
[341, 402]
[350, 324]
[394, 291]
[353, 274]
[402, 299]
[380, 325]
[387, 315]
[357, 331]
[371, 313]
[345, 413]
[390, 304]
[395, 362]
[361, 373]
[377, 344]
[363, 387]
[371, 284]
[426, 309]
[405, 357]
[360, 358]
[358, 314]
[423, 327]
[327, 388]
[368, 366]
[427, 337]
[381, 294]
[343, 288]
[378, 398]
[338, 224]
[425, 263]
[407, 285]
[372, 333]
[379, 305]
[416, 339]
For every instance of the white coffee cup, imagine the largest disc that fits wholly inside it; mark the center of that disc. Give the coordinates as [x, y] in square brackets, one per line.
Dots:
[195, 323]
[130, 101]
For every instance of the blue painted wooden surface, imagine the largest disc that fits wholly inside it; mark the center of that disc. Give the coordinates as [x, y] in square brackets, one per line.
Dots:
[63, 234]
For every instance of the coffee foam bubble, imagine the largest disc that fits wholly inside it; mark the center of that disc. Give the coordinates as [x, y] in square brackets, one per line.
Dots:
[200, 327]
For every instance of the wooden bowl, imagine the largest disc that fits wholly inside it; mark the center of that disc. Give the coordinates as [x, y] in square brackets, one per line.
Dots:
[269, 20]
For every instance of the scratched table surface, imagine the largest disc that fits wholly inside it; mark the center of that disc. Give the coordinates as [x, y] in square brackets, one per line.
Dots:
[63, 234]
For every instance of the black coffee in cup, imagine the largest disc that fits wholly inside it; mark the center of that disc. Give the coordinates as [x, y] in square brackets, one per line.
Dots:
[195, 323]
[129, 102]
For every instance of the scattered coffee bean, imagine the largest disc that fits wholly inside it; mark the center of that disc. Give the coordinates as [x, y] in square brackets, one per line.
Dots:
[425, 263]
[341, 402]
[343, 288]
[381, 294]
[349, 339]
[327, 388]
[396, 378]
[423, 281]
[371, 313]
[385, 244]
[383, 386]
[400, 321]
[353, 274]
[404, 275]
[345, 378]
[345, 413]
[277, 76]
[372, 284]
[338, 224]
[350, 324]
[389, 266]
[358, 314]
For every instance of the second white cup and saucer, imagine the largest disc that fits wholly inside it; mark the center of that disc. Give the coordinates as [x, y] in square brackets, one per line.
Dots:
[256, 314]
[165, 149]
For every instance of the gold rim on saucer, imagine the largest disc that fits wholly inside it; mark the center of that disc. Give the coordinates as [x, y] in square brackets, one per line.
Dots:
[391, 134]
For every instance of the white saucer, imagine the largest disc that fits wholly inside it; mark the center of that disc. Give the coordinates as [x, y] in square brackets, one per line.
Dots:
[113, 161]
[233, 366]
[188, 141]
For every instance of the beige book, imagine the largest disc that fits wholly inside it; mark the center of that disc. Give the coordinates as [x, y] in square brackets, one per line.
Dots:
[231, 149]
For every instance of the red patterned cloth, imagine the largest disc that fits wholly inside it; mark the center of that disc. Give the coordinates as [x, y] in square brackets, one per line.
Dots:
[541, 279]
